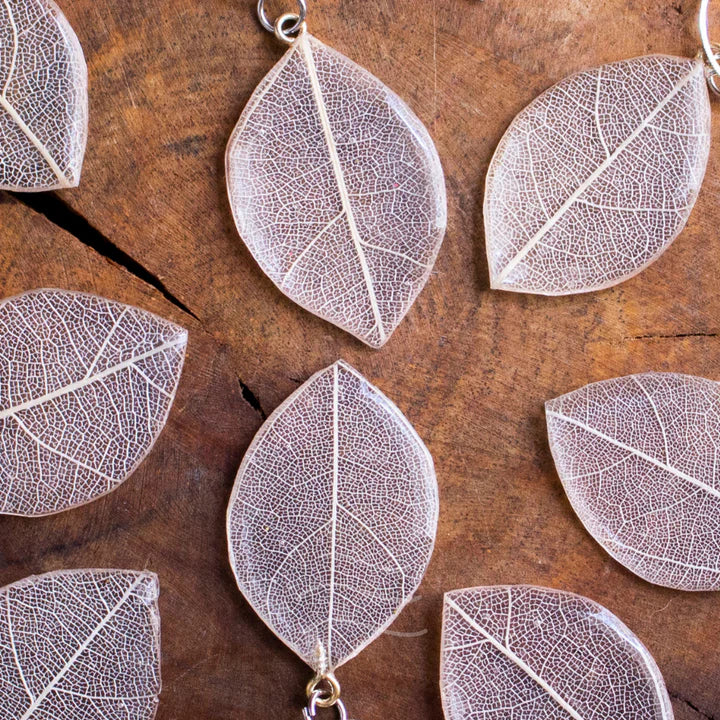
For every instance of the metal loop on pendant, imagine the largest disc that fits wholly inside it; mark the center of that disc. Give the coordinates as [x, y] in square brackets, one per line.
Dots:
[288, 36]
[276, 26]
[713, 78]
[323, 691]
[711, 50]
[325, 688]
[310, 712]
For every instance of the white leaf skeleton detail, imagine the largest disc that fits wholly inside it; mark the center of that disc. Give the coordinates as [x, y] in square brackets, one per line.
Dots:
[532, 653]
[86, 385]
[43, 98]
[333, 517]
[596, 177]
[337, 190]
[80, 644]
[638, 457]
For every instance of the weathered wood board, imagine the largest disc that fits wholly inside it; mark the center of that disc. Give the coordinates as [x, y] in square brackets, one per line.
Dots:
[470, 368]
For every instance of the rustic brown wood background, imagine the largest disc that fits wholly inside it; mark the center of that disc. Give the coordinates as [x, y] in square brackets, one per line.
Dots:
[471, 368]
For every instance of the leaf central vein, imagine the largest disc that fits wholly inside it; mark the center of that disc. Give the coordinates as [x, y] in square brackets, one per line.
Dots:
[587, 183]
[340, 179]
[72, 387]
[510, 655]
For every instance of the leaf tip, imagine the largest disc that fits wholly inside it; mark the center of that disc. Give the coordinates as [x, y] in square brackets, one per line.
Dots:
[550, 406]
[345, 367]
[497, 282]
[183, 335]
[149, 584]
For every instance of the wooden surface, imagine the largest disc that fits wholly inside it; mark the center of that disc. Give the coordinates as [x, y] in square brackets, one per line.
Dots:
[469, 367]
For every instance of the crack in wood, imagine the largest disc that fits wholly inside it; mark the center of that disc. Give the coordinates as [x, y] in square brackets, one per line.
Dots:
[692, 706]
[251, 399]
[672, 336]
[52, 207]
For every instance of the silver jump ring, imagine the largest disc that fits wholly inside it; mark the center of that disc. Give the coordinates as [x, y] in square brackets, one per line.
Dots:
[710, 49]
[310, 712]
[272, 27]
[713, 83]
[288, 36]
[711, 75]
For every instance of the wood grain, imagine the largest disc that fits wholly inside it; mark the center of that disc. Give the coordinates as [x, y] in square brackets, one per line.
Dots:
[470, 368]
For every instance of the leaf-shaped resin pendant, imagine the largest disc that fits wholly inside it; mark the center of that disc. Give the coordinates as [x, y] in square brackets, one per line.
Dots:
[43, 98]
[528, 653]
[337, 189]
[332, 521]
[638, 459]
[80, 644]
[596, 177]
[86, 385]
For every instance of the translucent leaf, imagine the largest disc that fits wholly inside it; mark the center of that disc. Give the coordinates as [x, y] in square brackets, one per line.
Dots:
[337, 190]
[43, 98]
[597, 176]
[86, 387]
[638, 457]
[333, 516]
[530, 653]
[81, 644]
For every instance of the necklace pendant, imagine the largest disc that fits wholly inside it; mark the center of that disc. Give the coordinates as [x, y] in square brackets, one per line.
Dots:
[43, 98]
[337, 190]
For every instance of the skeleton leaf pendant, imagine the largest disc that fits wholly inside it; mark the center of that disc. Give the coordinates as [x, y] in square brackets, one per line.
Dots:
[43, 98]
[336, 189]
[86, 385]
[332, 522]
[596, 177]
